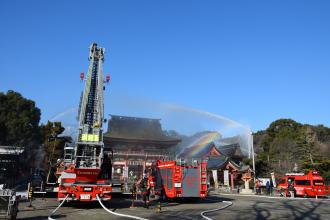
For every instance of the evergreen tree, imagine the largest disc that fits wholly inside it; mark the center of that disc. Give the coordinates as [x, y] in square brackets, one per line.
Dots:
[287, 146]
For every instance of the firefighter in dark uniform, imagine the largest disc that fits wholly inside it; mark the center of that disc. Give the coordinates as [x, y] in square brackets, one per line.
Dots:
[133, 191]
[145, 190]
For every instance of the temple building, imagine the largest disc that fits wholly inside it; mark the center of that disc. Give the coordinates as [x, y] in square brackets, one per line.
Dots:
[224, 163]
[135, 143]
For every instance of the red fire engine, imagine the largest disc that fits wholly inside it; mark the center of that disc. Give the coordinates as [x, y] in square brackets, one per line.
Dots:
[306, 185]
[86, 167]
[83, 185]
[174, 179]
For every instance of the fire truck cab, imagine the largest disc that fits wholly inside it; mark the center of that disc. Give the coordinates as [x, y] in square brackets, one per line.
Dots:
[172, 179]
[306, 185]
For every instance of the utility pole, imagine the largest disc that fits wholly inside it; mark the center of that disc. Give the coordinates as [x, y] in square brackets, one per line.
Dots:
[253, 163]
[51, 139]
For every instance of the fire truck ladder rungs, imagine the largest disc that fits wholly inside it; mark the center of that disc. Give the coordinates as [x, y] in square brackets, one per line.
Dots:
[118, 214]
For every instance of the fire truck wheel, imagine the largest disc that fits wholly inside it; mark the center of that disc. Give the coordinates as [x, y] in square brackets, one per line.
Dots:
[305, 195]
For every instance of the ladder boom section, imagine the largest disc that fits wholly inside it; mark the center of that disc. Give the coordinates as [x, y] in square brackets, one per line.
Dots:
[87, 170]
[89, 146]
[91, 107]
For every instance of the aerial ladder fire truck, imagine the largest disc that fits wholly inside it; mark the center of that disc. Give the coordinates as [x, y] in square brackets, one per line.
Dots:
[87, 172]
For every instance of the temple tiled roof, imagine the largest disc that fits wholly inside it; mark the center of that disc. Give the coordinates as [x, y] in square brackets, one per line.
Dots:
[199, 154]
[217, 162]
[123, 128]
[230, 150]
[220, 162]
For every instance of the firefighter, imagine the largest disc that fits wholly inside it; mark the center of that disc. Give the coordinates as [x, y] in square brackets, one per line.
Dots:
[291, 188]
[30, 195]
[152, 185]
[258, 187]
[268, 188]
[133, 191]
[145, 190]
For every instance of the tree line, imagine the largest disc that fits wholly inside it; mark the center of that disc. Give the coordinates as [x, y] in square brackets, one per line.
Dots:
[20, 127]
[289, 146]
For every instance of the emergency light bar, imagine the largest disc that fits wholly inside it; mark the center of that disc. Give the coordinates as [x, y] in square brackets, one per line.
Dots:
[294, 174]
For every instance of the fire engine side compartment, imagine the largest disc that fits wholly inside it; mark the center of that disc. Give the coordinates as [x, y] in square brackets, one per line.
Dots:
[181, 180]
[191, 183]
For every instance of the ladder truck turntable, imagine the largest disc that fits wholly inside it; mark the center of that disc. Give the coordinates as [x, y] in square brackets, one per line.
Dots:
[87, 168]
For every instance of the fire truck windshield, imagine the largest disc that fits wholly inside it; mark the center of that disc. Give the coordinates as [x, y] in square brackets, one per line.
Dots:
[303, 182]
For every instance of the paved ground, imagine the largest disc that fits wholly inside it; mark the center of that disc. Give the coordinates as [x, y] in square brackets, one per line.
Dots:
[243, 208]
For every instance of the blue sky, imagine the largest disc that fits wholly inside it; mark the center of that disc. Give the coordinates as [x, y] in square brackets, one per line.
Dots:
[250, 61]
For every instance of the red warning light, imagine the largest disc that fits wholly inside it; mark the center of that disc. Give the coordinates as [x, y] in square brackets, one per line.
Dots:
[82, 76]
[107, 78]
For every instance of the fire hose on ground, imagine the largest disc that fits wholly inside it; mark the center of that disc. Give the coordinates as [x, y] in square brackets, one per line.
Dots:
[103, 206]
[228, 203]
[118, 214]
[53, 212]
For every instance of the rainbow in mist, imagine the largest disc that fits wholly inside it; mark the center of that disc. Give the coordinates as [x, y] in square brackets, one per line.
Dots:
[199, 144]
